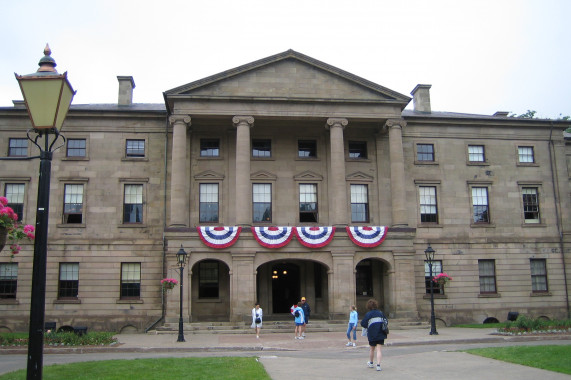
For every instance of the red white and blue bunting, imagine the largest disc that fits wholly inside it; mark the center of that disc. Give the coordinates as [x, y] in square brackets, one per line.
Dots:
[365, 236]
[314, 237]
[219, 237]
[273, 237]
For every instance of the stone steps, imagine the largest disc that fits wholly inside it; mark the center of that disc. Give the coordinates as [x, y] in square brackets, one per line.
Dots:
[277, 326]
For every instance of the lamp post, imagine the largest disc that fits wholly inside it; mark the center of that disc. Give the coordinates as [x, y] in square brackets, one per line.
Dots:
[429, 253]
[47, 96]
[181, 259]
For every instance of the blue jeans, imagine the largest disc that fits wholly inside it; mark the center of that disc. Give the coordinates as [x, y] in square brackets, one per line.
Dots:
[349, 328]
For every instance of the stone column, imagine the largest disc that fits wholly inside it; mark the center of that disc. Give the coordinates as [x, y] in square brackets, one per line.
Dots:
[179, 212]
[243, 188]
[242, 287]
[396, 155]
[337, 182]
[342, 289]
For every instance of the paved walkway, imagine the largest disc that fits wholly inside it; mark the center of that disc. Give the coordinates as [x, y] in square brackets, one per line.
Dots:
[279, 353]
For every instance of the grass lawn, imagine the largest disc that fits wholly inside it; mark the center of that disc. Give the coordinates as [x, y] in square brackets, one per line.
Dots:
[157, 369]
[552, 358]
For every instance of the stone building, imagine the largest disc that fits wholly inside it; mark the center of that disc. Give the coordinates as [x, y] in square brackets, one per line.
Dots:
[288, 177]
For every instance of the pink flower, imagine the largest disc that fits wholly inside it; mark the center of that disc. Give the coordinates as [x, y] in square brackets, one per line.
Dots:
[15, 248]
[3, 201]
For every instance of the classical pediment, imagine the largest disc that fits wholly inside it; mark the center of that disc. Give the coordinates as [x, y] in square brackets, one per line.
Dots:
[308, 175]
[359, 176]
[263, 175]
[209, 175]
[287, 76]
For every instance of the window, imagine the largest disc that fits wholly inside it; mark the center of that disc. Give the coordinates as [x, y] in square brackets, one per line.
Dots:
[209, 148]
[133, 204]
[530, 205]
[425, 152]
[525, 154]
[364, 278]
[359, 203]
[358, 149]
[538, 275]
[487, 273]
[73, 204]
[68, 280]
[208, 283]
[262, 202]
[307, 149]
[76, 148]
[436, 270]
[14, 192]
[208, 202]
[476, 153]
[308, 203]
[428, 209]
[480, 205]
[130, 280]
[8, 280]
[18, 148]
[135, 148]
[261, 148]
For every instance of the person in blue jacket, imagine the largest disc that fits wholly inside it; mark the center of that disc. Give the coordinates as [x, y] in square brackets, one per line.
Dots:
[297, 312]
[352, 326]
[372, 321]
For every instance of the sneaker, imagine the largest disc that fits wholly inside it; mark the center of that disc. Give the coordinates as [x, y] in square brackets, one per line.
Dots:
[301, 337]
[370, 364]
[354, 345]
[378, 367]
[296, 337]
[348, 344]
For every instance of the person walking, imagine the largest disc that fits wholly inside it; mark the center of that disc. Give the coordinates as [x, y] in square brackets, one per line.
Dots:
[297, 312]
[306, 312]
[373, 322]
[257, 315]
[352, 326]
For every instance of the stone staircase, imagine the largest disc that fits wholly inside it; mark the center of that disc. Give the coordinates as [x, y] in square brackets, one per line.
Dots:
[278, 326]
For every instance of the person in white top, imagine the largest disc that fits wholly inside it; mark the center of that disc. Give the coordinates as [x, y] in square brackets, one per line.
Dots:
[257, 315]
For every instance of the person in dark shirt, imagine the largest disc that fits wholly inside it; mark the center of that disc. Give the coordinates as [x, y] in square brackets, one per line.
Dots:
[306, 312]
[373, 322]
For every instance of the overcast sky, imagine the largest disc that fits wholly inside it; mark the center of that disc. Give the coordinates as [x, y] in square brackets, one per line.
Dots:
[479, 56]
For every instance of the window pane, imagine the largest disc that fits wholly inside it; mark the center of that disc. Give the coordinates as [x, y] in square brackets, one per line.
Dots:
[538, 275]
[209, 148]
[14, 192]
[262, 202]
[208, 208]
[130, 280]
[359, 203]
[525, 154]
[436, 270]
[307, 148]
[480, 204]
[133, 204]
[476, 153]
[487, 274]
[308, 203]
[135, 148]
[73, 204]
[428, 209]
[76, 148]
[357, 149]
[68, 280]
[208, 286]
[8, 280]
[425, 152]
[18, 148]
[530, 204]
[261, 148]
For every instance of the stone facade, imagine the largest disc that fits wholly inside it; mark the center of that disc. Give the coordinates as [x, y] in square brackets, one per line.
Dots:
[199, 151]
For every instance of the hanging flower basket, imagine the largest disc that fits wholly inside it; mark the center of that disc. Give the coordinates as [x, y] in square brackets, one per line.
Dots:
[442, 279]
[11, 230]
[168, 283]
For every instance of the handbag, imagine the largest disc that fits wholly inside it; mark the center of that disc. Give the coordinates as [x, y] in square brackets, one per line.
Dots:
[258, 321]
[364, 332]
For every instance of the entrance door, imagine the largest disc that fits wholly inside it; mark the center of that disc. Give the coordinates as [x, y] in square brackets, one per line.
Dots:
[285, 287]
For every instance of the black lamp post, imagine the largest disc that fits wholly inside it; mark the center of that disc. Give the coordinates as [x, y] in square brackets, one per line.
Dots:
[181, 259]
[48, 96]
[429, 253]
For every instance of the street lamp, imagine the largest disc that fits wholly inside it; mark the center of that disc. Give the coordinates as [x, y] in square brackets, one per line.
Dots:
[429, 253]
[181, 260]
[47, 96]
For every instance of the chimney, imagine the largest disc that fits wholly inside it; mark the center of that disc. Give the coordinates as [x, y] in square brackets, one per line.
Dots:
[501, 114]
[126, 86]
[421, 97]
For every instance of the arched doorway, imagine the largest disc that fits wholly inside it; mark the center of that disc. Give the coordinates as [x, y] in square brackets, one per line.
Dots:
[285, 286]
[210, 291]
[371, 281]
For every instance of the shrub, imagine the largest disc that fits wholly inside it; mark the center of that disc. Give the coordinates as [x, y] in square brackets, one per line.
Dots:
[62, 339]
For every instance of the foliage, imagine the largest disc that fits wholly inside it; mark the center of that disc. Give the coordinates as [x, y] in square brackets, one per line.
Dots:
[168, 283]
[61, 339]
[442, 278]
[530, 114]
[157, 369]
[526, 324]
[552, 358]
[16, 231]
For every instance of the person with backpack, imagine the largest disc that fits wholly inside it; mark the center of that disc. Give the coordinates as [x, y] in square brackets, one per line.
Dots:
[297, 312]
[257, 315]
[377, 329]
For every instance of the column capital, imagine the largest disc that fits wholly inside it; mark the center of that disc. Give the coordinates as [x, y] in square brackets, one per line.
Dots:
[243, 120]
[174, 119]
[336, 122]
[395, 123]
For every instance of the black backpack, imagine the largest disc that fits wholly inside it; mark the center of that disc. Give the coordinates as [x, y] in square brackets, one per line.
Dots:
[296, 313]
[385, 325]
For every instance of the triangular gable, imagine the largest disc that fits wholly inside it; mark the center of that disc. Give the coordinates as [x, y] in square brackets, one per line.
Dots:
[289, 75]
[359, 176]
[308, 175]
[263, 175]
[209, 175]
